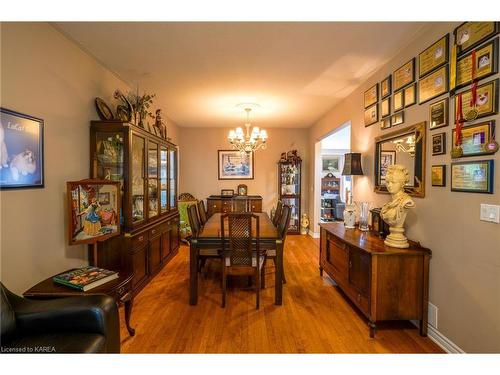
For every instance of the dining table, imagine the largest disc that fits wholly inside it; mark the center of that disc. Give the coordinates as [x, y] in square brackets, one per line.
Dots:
[209, 237]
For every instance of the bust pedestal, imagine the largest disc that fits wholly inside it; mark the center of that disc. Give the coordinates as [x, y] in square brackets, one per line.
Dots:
[396, 238]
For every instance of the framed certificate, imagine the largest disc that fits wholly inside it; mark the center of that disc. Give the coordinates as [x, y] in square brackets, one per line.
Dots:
[371, 115]
[410, 96]
[385, 87]
[486, 64]
[433, 85]
[386, 123]
[398, 102]
[471, 34]
[475, 138]
[385, 107]
[438, 144]
[371, 96]
[486, 101]
[438, 114]
[472, 176]
[404, 75]
[438, 175]
[434, 56]
[397, 118]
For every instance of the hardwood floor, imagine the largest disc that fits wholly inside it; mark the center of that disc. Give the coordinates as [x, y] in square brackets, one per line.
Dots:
[315, 316]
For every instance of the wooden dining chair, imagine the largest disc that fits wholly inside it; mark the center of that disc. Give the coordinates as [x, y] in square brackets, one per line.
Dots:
[202, 213]
[241, 252]
[239, 205]
[277, 213]
[194, 222]
[282, 228]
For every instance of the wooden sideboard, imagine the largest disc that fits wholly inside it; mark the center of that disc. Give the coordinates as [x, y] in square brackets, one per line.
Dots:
[230, 203]
[385, 283]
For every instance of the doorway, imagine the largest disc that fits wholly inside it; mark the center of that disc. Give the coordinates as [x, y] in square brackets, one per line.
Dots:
[330, 185]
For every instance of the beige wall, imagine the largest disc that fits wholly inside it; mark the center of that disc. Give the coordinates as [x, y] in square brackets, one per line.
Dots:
[46, 75]
[198, 163]
[465, 267]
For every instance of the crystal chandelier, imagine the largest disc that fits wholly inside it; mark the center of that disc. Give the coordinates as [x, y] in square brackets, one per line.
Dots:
[252, 140]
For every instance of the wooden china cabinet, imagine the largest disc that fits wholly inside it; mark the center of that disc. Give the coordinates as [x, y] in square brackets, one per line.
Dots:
[146, 166]
[289, 179]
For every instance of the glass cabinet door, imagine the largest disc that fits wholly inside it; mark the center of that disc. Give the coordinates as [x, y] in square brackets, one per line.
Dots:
[172, 177]
[163, 179]
[137, 178]
[109, 155]
[290, 179]
[152, 179]
[294, 204]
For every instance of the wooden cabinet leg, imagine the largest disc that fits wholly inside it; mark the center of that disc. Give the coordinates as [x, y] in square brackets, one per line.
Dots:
[423, 327]
[373, 329]
[321, 271]
[128, 312]
[193, 273]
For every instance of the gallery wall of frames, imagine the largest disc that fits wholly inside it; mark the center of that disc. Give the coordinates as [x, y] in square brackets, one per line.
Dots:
[452, 74]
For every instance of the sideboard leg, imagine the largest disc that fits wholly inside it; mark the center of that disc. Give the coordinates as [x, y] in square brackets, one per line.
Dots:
[321, 271]
[128, 311]
[373, 328]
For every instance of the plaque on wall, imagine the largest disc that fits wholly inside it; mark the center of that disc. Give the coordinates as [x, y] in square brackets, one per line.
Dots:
[438, 175]
[410, 96]
[404, 75]
[438, 114]
[472, 176]
[470, 34]
[486, 99]
[433, 85]
[475, 138]
[371, 115]
[434, 56]
[398, 102]
[486, 64]
[385, 107]
[371, 96]
[438, 144]
[385, 87]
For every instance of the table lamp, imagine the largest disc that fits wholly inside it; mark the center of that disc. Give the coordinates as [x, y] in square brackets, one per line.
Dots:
[352, 167]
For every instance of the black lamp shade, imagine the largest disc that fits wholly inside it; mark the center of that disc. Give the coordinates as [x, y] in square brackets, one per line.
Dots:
[352, 164]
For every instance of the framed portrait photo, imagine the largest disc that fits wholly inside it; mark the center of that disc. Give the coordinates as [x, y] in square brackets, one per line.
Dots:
[404, 75]
[438, 114]
[371, 96]
[371, 115]
[385, 87]
[21, 151]
[227, 192]
[438, 175]
[234, 165]
[439, 144]
[472, 176]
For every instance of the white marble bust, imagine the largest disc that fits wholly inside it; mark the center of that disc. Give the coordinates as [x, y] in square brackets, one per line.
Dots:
[394, 212]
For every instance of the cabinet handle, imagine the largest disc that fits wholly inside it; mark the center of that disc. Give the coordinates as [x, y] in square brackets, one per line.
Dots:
[253, 206]
[215, 206]
[141, 238]
[153, 231]
[359, 297]
[350, 264]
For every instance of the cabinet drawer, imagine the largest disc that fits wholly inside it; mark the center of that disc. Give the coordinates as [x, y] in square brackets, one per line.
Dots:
[255, 205]
[139, 240]
[339, 258]
[154, 232]
[214, 206]
[336, 242]
[226, 206]
[119, 293]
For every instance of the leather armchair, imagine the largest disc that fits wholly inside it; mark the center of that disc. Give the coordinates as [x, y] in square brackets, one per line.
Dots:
[84, 324]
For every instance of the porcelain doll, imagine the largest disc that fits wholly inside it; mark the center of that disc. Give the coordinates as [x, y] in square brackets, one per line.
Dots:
[394, 212]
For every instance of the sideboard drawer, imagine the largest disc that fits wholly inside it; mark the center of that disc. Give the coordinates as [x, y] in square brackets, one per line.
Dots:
[139, 240]
[255, 205]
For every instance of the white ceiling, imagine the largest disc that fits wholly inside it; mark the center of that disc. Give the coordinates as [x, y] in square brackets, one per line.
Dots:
[200, 70]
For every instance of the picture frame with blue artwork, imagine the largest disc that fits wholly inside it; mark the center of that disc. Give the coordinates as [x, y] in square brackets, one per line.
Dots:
[234, 165]
[21, 151]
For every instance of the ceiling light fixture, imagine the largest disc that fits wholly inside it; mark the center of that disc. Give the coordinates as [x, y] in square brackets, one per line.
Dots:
[251, 141]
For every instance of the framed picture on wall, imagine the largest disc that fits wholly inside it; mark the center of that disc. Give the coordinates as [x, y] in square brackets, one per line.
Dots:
[438, 175]
[438, 114]
[21, 151]
[371, 96]
[404, 75]
[371, 115]
[439, 144]
[331, 163]
[234, 165]
[385, 87]
[410, 96]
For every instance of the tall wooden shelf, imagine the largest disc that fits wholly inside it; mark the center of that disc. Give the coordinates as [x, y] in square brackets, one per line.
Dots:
[146, 166]
[330, 189]
[289, 180]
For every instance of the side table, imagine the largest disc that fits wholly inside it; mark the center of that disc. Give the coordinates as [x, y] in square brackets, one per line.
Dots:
[120, 289]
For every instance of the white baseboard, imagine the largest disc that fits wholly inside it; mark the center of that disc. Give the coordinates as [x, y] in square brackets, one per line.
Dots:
[313, 234]
[441, 340]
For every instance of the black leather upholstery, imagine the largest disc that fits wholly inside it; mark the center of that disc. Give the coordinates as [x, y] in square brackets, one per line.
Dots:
[85, 324]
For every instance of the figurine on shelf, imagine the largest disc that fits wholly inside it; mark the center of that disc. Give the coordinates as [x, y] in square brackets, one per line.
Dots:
[304, 224]
[124, 110]
[160, 125]
[394, 212]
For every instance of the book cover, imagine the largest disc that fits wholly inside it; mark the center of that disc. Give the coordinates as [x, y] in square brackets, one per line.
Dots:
[85, 278]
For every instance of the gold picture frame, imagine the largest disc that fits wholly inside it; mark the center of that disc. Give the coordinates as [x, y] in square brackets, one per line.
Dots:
[404, 75]
[397, 118]
[438, 114]
[371, 96]
[438, 175]
[385, 87]
[385, 107]
[486, 102]
[472, 176]
[398, 101]
[471, 34]
[486, 64]
[434, 56]
[386, 123]
[410, 95]
[371, 115]
[438, 144]
[475, 138]
[433, 85]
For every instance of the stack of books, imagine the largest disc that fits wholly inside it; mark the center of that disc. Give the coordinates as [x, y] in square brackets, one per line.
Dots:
[85, 278]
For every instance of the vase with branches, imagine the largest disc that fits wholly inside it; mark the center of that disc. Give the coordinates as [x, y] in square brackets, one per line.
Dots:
[140, 106]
